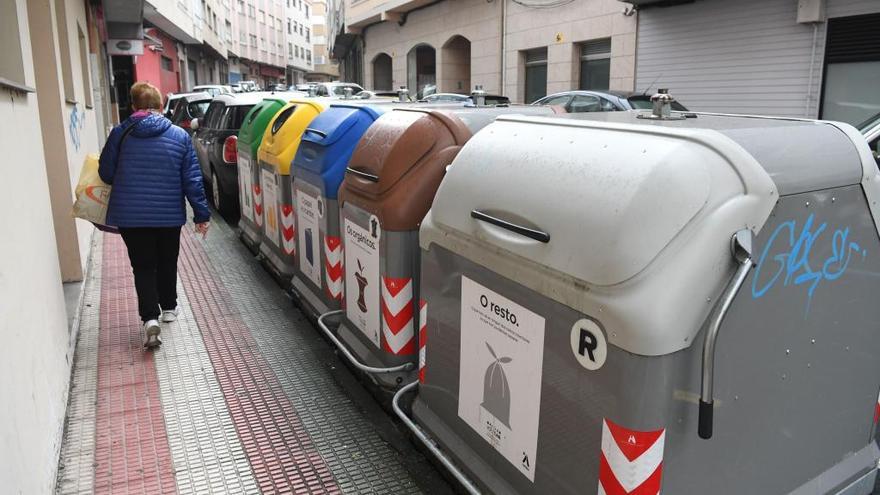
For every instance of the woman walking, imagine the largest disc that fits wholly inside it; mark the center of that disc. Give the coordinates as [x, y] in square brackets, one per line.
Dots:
[152, 166]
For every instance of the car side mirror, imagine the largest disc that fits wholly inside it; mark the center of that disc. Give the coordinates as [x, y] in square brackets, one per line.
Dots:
[194, 124]
[877, 152]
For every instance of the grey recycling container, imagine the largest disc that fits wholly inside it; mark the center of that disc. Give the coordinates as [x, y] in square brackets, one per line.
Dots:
[622, 305]
[388, 187]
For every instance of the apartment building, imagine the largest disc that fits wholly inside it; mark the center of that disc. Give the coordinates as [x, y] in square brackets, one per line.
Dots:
[325, 68]
[261, 49]
[524, 49]
[807, 58]
[299, 40]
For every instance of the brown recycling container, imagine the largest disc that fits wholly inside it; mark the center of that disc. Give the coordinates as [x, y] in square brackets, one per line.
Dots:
[388, 188]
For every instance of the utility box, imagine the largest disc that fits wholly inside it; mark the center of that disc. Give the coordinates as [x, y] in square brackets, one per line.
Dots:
[280, 142]
[388, 188]
[317, 172]
[250, 136]
[578, 272]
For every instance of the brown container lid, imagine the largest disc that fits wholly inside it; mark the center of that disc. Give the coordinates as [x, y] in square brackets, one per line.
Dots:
[399, 164]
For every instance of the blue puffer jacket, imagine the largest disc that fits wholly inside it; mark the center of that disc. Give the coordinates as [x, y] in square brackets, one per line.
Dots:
[157, 168]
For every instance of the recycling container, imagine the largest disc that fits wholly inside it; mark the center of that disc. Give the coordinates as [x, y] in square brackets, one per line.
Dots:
[250, 136]
[388, 187]
[281, 139]
[599, 287]
[317, 172]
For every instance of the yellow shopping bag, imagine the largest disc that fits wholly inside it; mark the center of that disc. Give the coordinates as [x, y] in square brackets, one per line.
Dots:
[92, 194]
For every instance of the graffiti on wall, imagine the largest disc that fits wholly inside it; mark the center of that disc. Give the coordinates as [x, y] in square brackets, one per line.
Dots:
[75, 125]
[787, 261]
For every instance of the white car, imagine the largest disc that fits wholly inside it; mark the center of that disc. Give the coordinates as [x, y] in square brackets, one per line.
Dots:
[336, 89]
[214, 89]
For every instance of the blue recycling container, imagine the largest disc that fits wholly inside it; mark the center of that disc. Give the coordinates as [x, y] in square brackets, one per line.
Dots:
[317, 171]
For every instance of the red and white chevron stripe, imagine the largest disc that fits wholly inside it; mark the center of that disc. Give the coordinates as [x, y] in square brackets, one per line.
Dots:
[287, 229]
[631, 461]
[423, 337]
[258, 204]
[397, 316]
[333, 266]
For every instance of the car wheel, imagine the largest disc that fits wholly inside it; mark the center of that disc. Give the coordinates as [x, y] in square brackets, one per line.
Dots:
[223, 202]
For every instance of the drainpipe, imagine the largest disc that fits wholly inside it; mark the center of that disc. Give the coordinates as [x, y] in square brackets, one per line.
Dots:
[812, 69]
[503, 89]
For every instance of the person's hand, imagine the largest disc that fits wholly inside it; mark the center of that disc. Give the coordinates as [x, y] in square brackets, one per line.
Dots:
[202, 228]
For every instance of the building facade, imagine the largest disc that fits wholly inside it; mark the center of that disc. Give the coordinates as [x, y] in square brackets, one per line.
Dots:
[55, 105]
[299, 40]
[808, 58]
[523, 49]
[325, 68]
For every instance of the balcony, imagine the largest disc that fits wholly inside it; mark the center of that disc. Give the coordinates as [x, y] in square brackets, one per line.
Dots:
[362, 13]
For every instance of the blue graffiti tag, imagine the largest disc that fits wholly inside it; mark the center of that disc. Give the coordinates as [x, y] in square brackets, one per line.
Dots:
[77, 121]
[794, 261]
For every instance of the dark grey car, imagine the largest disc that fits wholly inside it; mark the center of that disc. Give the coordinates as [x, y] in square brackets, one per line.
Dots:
[215, 139]
[601, 101]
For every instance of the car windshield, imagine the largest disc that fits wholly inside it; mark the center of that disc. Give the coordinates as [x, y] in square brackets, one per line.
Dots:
[340, 90]
[643, 102]
[235, 116]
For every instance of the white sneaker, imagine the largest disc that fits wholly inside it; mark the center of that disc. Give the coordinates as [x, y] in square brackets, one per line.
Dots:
[170, 314]
[151, 334]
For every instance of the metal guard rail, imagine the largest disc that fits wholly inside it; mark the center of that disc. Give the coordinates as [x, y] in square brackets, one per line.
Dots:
[351, 357]
[428, 442]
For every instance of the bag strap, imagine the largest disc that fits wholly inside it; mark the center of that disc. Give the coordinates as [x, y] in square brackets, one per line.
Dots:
[125, 134]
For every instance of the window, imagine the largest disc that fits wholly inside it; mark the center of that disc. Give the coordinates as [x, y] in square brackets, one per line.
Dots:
[585, 103]
[11, 60]
[212, 116]
[253, 40]
[308, 35]
[852, 69]
[595, 64]
[228, 31]
[307, 11]
[241, 6]
[290, 50]
[64, 51]
[263, 16]
[536, 74]
[309, 55]
[288, 27]
[84, 67]
[166, 63]
[252, 12]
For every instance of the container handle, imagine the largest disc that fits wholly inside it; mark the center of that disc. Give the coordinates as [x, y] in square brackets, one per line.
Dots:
[316, 131]
[364, 175]
[347, 353]
[537, 235]
[741, 249]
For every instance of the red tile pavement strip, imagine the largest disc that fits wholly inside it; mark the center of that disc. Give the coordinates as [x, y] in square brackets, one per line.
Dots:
[279, 449]
[131, 446]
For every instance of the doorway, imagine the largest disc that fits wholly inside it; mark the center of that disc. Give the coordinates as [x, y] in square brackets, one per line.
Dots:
[456, 63]
[421, 70]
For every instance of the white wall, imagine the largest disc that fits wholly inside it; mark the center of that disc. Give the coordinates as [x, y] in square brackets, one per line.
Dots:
[34, 367]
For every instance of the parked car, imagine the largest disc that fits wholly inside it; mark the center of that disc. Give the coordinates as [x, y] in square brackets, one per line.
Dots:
[171, 101]
[214, 89]
[460, 98]
[216, 141]
[189, 107]
[336, 89]
[601, 101]
[248, 86]
[303, 87]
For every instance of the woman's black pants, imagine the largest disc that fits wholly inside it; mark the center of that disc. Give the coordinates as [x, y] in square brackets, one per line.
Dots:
[153, 253]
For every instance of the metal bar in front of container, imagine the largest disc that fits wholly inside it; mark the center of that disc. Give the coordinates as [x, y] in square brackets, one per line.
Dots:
[430, 443]
[347, 353]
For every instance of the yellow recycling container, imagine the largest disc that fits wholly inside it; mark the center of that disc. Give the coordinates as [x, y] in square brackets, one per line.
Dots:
[280, 142]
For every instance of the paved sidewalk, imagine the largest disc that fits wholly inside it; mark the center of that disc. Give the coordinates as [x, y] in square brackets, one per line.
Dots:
[242, 397]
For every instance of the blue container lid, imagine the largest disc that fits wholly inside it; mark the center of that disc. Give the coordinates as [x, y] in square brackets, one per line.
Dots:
[328, 143]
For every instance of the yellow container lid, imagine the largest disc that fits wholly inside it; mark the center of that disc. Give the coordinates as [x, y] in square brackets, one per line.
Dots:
[282, 136]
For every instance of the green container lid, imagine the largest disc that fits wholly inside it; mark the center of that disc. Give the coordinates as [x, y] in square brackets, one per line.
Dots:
[251, 133]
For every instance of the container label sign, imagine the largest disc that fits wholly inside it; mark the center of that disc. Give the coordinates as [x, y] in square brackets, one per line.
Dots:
[362, 279]
[502, 353]
[245, 186]
[270, 205]
[308, 233]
